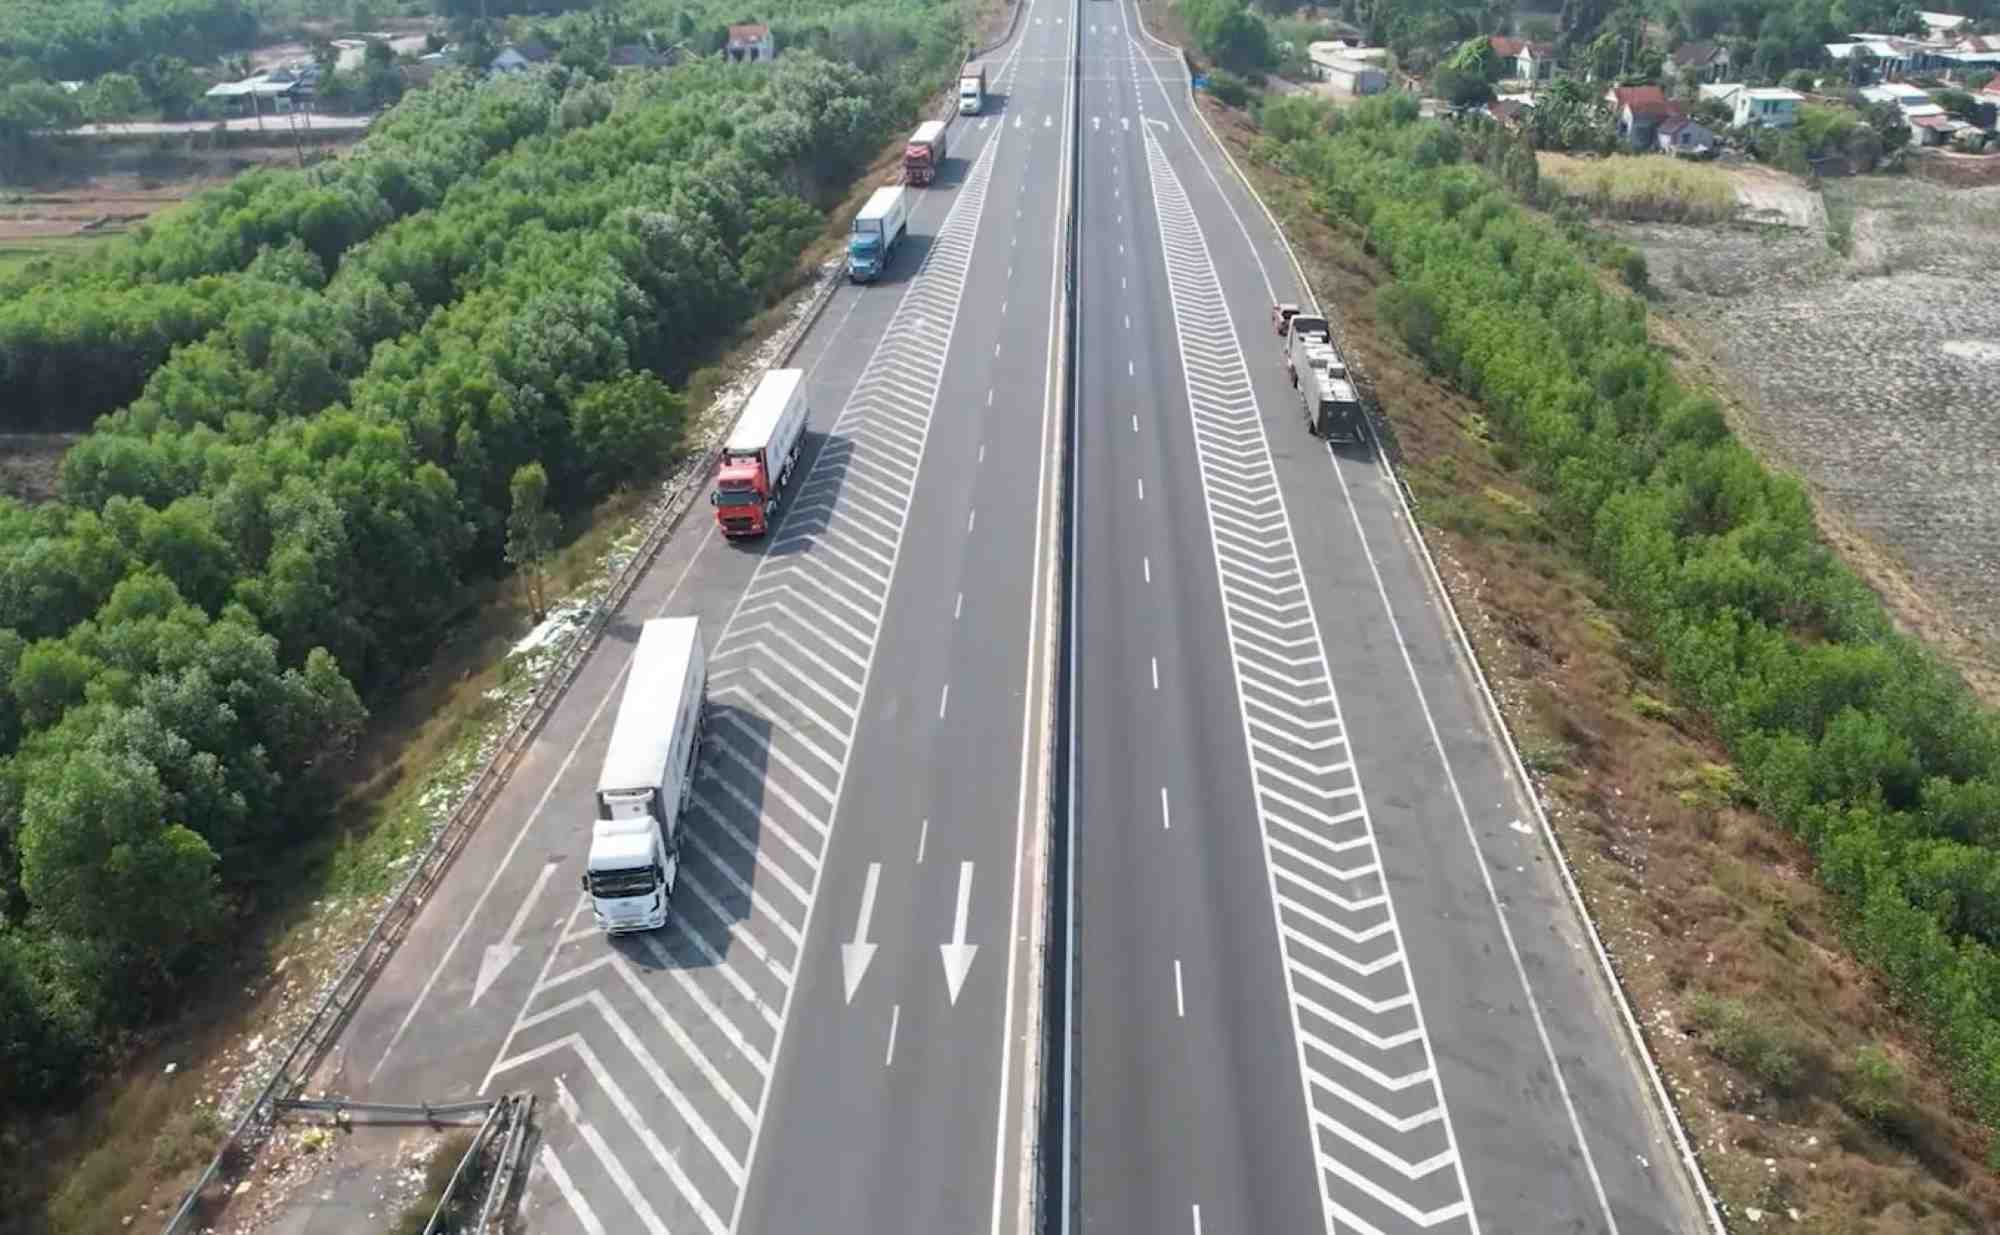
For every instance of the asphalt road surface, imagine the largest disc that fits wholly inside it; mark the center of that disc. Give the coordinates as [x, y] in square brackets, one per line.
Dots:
[1326, 975]
[827, 1036]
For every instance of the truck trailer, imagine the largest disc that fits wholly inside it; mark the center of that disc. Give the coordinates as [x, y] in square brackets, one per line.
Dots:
[924, 153]
[642, 791]
[972, 89]
[876, 231]
[759, 456]
[1332, 408]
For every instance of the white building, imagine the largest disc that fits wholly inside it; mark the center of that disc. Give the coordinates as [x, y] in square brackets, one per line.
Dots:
[1767, 107]
[1348, 75]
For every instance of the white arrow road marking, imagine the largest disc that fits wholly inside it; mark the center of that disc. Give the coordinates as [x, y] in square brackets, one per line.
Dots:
[958, 954]
[500, 955]
[854, 957]
[1017, 122]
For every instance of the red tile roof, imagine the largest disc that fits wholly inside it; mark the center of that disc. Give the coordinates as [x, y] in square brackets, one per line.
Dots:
[1505, 46]
[749, 33]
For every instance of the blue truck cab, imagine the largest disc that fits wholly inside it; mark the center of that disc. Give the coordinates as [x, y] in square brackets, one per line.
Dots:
[875, 233]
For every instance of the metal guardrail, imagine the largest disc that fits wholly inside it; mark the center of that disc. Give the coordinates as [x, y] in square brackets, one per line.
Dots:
[410, 895]
[428, 1112]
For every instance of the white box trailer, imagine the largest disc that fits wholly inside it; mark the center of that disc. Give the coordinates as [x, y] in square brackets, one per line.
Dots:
[878, 227]
[758, 458]
[635, 839]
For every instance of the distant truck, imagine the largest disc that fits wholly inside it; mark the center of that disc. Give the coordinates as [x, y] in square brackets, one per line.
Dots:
[876, 231]
[1327, 395]
[972, 90]
[924, 153]
[642, 792]
[759, 456]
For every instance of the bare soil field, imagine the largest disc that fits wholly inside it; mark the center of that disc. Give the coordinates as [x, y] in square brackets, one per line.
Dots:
[31, 464]
[119, 193]
[1876, 377]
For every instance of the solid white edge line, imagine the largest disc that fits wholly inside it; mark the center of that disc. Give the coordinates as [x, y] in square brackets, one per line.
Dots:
[1069, 823]
[1028, 1194]
[533, 818]
[1243, 710]
[1479, 858]
[1664, 1099]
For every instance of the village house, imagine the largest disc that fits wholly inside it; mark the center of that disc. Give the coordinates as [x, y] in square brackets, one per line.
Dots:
[750, 43]
[1708, 61]
[1766, 107]
[1349, 75]
[1685, 136]
[1640, 111]
[1522, 59]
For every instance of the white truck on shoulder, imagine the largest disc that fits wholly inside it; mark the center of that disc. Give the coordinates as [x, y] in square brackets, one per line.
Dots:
[635, 839]
[972, 89]
[876, 230]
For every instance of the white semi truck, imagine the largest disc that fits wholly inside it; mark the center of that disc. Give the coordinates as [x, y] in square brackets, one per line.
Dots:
[635, 839]
[876, 230]
[972, 89]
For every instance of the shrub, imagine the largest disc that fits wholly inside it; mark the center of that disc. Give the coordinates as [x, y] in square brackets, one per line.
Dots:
[1737, 1035]
[1874, 1087]
[1228, 88]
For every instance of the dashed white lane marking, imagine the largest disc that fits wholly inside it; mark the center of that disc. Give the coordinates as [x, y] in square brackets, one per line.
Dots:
[923, 836]
[1377, 1118]
[1197, 1220]
[958, 606]
[1149, 569]
[1156, 673]
[989, 398]
[982, 452]
[1135, 415]
[790, 670]
[1166, 815]
[1131, 372]
[1142, 489]
[1180, 997]
[970, 517]
[895, 1019]
[944, 699]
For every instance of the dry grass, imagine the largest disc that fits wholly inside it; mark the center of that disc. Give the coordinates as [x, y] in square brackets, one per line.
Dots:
[1802, 1089]
[1643, 186]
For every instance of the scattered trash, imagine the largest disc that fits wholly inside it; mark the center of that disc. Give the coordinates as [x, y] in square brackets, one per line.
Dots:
[170, 1069]
[1522, 828]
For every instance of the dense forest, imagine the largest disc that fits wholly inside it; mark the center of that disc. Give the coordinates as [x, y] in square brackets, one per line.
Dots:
[1846, 731]
[318, 388]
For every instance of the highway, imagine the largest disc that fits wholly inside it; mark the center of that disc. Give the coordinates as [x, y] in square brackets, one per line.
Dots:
[1323, 974]
[1318, 970]
[831, 1033]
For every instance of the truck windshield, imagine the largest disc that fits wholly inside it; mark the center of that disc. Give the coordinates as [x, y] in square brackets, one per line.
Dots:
[735, 493]
[610, 885]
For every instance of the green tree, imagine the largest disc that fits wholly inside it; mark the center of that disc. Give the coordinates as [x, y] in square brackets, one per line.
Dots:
[115, 98]
[531, 533]
[99, 863]
[627, 429]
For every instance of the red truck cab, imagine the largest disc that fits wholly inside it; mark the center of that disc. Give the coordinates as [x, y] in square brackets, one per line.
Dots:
[742, 491]
[759, 455]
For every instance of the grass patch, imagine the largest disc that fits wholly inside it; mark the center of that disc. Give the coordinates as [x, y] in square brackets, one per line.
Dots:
[1698, 898]
[1754, 1040]
[18, 255]
[1654, 187]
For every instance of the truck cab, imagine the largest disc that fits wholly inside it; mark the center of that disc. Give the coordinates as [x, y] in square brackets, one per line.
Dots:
[630, 875]
[742, 497]
[972, 90]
